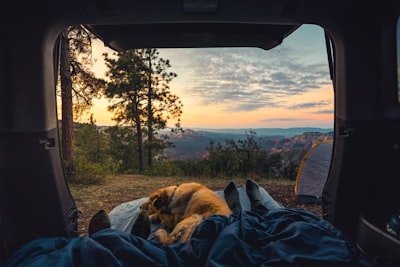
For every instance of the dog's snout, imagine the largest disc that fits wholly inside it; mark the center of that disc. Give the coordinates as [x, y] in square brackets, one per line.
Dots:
[144, 206]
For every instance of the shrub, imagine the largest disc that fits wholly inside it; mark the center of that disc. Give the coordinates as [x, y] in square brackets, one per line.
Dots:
[93, 172]
[166, 168]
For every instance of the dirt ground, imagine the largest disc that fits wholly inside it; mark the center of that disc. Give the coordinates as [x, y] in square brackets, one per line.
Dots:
[119, 189]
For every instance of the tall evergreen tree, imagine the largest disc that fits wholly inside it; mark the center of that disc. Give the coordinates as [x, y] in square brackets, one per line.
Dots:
[127, 91]
[141, 96]
[67, 139]
[78, 86]
[158, 91]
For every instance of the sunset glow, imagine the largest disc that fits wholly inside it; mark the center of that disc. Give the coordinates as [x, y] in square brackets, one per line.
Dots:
[288, 86]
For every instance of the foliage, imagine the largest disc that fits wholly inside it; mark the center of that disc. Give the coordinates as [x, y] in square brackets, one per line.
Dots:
[112, 151]
[126, 87]
[194, 168]
[85, 85]
[234, 158]
[122, 148]
[164, 168]
[162, 105]
[93, 172]
[141, 98]
[92, 160]
[246, 158]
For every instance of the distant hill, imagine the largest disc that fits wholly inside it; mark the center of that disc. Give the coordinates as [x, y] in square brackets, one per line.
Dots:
[283, 132]
[192, 144]
[187, 145]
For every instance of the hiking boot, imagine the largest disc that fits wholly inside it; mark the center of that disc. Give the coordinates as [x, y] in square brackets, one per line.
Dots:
[231, 195]
[99, 222]
[142, 225]
[253, 193]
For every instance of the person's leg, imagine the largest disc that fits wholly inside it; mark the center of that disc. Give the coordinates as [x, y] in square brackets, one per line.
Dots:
[231, 196]
[253, 193]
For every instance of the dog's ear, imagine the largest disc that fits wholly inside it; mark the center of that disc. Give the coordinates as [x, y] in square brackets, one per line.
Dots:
[160, 201]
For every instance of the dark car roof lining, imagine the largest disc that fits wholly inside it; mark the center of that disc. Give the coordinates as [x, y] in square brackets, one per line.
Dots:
[166, 24]
[172, 35]
[128, 12]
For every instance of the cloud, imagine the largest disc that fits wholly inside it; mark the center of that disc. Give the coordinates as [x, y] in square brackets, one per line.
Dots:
[282, 120]
[326, 111]
[252, 78]
[313, 104]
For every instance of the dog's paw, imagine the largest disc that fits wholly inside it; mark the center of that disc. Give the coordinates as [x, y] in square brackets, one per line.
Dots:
[161, 235]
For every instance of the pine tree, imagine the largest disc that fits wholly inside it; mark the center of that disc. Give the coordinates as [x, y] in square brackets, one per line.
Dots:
[159, 98]
[141, 97]
[78, 86]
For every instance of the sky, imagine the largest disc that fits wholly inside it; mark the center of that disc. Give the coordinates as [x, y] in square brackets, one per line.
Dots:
[288, 86]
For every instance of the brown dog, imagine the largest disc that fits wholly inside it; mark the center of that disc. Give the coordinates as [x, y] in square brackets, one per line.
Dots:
[180, 209]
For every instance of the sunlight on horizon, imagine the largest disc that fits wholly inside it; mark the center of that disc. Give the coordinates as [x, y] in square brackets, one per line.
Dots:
[216, 117]
[288, 86]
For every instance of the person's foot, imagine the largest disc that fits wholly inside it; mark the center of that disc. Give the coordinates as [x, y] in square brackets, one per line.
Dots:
[231, 195]
[142, 225]
[99, 222]
[253, 193]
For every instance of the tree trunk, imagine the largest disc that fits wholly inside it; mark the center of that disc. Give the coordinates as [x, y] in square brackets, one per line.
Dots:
[136, 116]
[67, 140]
[140, 147]
[150, 117]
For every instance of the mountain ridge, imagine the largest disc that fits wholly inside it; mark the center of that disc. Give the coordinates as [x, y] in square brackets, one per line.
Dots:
[262, 131]
[191, 144]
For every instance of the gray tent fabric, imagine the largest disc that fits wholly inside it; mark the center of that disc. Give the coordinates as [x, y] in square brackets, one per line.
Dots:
[313, 172]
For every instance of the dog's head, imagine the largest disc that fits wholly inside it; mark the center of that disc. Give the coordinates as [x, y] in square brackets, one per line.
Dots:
[159, 200]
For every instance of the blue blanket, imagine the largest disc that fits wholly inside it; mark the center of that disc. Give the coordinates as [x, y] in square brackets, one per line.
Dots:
[278, 237]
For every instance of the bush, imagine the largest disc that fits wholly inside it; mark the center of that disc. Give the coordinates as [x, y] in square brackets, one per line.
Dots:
[93, 172]
[167, 168]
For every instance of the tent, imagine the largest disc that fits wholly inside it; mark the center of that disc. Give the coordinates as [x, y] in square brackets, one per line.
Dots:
[313, 172]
